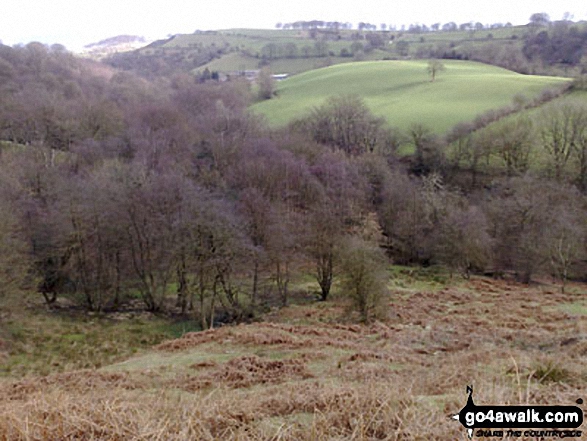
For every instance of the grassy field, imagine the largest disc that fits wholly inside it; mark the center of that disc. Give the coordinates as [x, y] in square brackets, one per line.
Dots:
[402, 93]
[307, 373]
[238, 61]
[36, 341]
[538, 159]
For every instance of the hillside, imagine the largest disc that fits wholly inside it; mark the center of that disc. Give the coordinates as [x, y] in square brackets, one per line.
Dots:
[237, 62]
[553, 49]
[402, 93]
[302, 376]
[538, 158]
[113, 45]
[234, 50]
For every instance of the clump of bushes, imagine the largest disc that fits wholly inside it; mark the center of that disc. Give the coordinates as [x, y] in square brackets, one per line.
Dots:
[363, 277]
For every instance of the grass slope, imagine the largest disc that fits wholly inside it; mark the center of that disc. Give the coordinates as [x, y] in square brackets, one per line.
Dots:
[234, 62]
[402, 93]
[539, 159]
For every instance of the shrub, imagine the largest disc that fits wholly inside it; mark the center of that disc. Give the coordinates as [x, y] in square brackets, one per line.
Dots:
[363, 277]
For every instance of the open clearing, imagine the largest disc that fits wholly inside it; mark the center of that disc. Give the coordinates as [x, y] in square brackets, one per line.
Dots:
[302, 376]
[401, 91]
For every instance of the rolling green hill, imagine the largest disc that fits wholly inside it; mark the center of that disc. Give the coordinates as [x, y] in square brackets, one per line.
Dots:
[402, 93]
[292, 51]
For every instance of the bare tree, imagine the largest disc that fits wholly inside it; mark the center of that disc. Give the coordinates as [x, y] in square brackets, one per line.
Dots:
[512, 141]
[151, 213]
[95, 237]
[404, 219]
[462, 241]
[14, 262]
[564, 136]
[345, 122]
[336, 208]
[216, 250]
[522, 216]
[556, 133]
[37, 173]
[579, 129]
[283, 248]
[467, 150]
[429, 150]
[566, 241]
[323, 232]
[256, 212]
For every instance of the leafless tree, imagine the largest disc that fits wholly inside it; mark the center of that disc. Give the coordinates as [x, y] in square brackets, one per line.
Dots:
[336, 208]
[462, 241]
[521, 213]
[557, 132]
[404, 219]
[467, 150]
[566, 243]
[512, 141]
[345, 122]
[429, 150]
[14, 267]
[95, 237]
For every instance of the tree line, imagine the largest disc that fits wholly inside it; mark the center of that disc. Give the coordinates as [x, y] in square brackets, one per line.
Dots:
[115, 189]
[415, 28]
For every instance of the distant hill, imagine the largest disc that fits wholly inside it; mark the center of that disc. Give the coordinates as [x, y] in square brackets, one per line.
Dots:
[553, 49]
[112, 45]
[118, 40]
[402, 93]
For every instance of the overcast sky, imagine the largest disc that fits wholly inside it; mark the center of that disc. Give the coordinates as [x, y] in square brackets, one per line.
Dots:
[76, 23]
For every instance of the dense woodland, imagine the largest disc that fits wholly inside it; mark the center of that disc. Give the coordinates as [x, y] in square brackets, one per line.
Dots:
[117, 189]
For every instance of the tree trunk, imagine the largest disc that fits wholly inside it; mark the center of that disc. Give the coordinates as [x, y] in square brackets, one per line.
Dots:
[182, 285]
[255, 283]
[202, 293]
[325, 267]
[117, 283]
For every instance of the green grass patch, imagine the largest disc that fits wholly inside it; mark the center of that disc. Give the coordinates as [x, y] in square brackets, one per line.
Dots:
[401, 91]
[577, 308]
[431, 279]
[549, 371]
[238, 61]
[539, 158]
[179, 360]
[41, 343]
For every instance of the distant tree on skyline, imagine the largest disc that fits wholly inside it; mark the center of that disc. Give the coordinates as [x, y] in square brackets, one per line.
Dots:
[539, 19]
